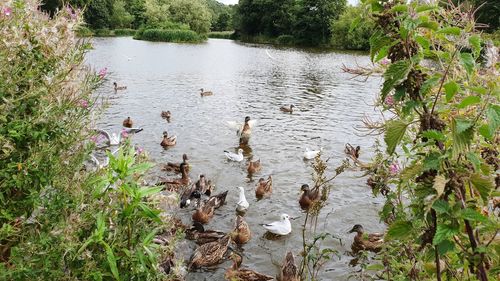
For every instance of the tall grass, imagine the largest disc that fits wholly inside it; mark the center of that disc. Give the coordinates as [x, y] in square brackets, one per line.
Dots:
[169, 35]
[221, 34]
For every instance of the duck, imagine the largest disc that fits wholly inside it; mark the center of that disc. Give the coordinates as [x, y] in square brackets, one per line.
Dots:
[369, 242]
[254, 166]
[205, 93]
[264, 187]
[351, 151]
[246, 131]
[128, 123]
[209, 254]
[233, 156]
[281, 227]
[166, 115]
[289, 271]
[241, 233]
[119, 87]
[205, 212]
[116, 139]
[243, 274]
[242, 204]
[209, 188]
[175, 167]
[204, 186]
[308, 196]
[189, 194]
[239, 127]
[287, 109]
[168, 141]
[311, 154]
[198, 233]
[175, 184]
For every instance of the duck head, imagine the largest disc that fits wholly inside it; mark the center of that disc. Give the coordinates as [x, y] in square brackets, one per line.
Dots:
[115, 84]
[165, 134]
[358, 228]
[201, 90]
[197, 227]
[304, 187]
[247, 119]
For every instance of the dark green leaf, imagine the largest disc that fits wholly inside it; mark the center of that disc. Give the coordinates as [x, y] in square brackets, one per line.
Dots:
[462, 136]
[445, 247]
[467, 61]
[485, 131]
[475, 42]
[153, 214]
[377, 41]
[394, 132]
[424, 42]
[462, 125]
[483, 185]
[452, 30]
[441, 206]
[110, 256]
[432, 25]
[399, 230]
[394, 75]
[472, 215]
[470, 100]
[432, 161]
[451, 88]
[429, 83]
[475, 160]
[444, 232]
[433, 134]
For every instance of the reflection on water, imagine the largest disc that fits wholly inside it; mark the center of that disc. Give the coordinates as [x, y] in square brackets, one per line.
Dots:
[249, 80]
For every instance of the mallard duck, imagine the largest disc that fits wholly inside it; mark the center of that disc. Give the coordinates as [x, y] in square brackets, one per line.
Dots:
[245, 132]
[198, 233]
[264, 187]
[210, 253]
[311, 154]
[175, 184]
[205, 211]
[127, 123]
[189, 194]
[243, 274]
[233, 156]
[176, 167]
[119, 87]
[368, 242]
[242, 204]
[254, 166]
[241, 233]
[209, 188]
[281, 227]
[308, 196]
[289, 271]
[205, 93]
[166, 115]
[201, 184]
[351, 151]
[168, 141]
[287, 109]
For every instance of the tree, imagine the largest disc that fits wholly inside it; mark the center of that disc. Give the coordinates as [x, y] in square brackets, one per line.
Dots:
[120, 17]
[191, 12]
[98, 13]
[223, 22]
[345, 35]
[156, 12]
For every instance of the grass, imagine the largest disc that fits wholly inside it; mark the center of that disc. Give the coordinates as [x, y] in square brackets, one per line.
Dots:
[169, 35]
[221, 34]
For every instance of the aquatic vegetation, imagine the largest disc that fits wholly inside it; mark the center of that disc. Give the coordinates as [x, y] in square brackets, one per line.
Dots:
[170, 35]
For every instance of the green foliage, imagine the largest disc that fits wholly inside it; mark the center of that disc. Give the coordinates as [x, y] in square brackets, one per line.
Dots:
[170, 35]
[351, 31]
[285, 40]
[221, 34]
[124, 32]
[98, 13]
[120, 18]
[444, 127]
[193, 13]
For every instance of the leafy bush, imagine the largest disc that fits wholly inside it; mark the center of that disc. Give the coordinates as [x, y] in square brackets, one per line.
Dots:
[103, 32]
[124, 32]
[164, 35]
[221, 34]
[83, 31]
[285, 40]
[349, 34]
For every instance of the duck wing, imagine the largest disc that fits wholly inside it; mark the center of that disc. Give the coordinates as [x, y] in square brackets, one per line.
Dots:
[218, 199]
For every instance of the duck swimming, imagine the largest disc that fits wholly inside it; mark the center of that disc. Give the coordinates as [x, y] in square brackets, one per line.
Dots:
[308, 196]
[245, 132]
[189, 194]
[119, 88]
[241, 233]
[176, 167]
[281, 227]
[175, 184]
[205, 211]
[254, 166]
[243, 274]
[233, 156]
[168, 141]
[166, 115]
[369, 242]
[209, 254]
[264, 187]
[205, 93]
[289, 271]
[287, 109]
[198, 233]
[128, 123]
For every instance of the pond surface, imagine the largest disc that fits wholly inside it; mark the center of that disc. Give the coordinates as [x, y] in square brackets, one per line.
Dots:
[250, 80]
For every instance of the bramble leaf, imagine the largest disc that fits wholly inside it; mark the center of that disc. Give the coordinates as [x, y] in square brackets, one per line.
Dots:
[394, 132]
[470, 100]
[444, 232]
[450, 88]
[467, 61]
[395, 74]
[399, 230]
[482, 184]
[472, 215]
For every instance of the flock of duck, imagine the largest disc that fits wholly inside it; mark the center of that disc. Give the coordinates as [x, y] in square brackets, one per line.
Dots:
[214, 245]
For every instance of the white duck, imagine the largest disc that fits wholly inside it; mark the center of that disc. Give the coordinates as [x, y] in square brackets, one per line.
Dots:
[281, 227]
[310, 154]
[242, 204]
[233, 156]
[115, 139]
[239, 126]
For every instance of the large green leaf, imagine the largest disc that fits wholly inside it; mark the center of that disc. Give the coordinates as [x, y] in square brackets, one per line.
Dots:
[462, 133]
[444, 232]
[378, 41]
[450, 88]
[475, 42]
[452, 30]
[472, 215]
[467, 61]
[394, 75]
[110, 256]
[399, 230]
[394, 132]
[441, 206]
[470, 100]
[483, 185]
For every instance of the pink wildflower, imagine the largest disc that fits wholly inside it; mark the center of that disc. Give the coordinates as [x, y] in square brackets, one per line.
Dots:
[103, 72]
[384, 61]
[93, 139]
[389, 100]
[139, 150]
[71, 12]
[394, 168]
[83, 103]
[124, 134]
[7, 11]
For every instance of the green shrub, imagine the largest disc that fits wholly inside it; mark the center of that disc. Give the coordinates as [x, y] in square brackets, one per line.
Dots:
[103, 32]
[349, 35]
[285, 40]
[83, 31]
[177, 36]
[221, 34]
[124, 32]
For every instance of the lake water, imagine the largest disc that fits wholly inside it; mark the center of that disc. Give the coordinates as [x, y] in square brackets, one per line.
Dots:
[250, 80]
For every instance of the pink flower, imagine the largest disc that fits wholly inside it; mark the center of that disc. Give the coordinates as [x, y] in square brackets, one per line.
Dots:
[7, 11]
[124, 134]
[139, 150]
[93, 139]
[389, 100]
[103, 72]
[71, 12]
[385, 61]
[394, 168]
[83, 103]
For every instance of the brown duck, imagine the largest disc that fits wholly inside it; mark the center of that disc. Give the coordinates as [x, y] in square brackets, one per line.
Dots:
[198, 233]
[175, 184]
[308, 197]
[166, 115]
[205, 211]
[176, 167]
[128, 123]
[243, 274]
[205, 93]
[241, 233]
[264, 187]
[289, 271]
[168, 141]
[254, 167]
[287, 109]
[369, 242]
[209, 254]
